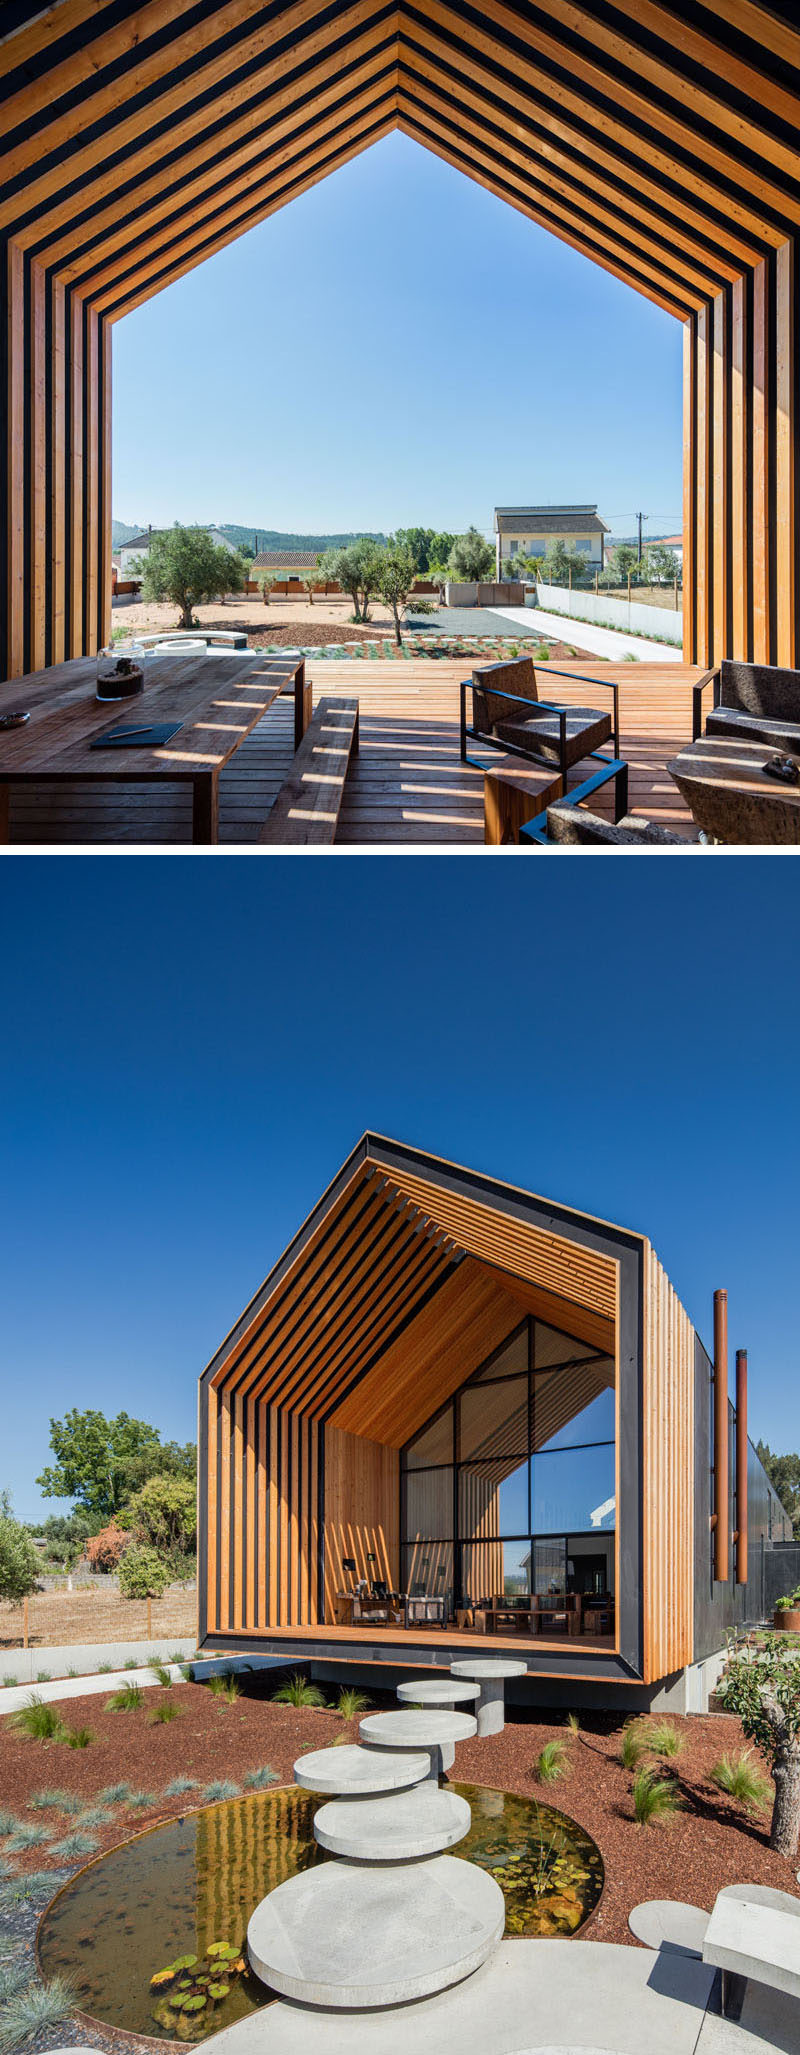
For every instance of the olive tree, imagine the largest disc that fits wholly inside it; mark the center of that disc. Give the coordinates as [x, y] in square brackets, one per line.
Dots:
[184, 565]
[356, 567]
[762, 1686]
[395, 584]
[267, 581]
[471, 557]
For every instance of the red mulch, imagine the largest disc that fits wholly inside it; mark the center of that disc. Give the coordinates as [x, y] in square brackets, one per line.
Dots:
[299, 634]
[690, 1856]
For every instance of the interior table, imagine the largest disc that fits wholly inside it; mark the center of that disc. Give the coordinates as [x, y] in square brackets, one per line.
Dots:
[217, 696]
[731, 796]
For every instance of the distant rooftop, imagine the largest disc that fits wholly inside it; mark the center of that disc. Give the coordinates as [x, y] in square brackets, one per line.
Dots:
[285, 559]
[560, 519]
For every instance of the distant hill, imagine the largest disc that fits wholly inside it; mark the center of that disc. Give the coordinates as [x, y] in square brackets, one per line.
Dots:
[268, 538]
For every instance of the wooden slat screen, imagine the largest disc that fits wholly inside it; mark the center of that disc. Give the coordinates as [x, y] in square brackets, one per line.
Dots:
[262, 1518]
[668, 1475]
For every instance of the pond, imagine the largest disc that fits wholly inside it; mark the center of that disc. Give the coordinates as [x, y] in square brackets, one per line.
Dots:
[173, 1903]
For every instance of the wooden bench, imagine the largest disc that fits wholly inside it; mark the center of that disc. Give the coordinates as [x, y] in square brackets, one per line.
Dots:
[513, 791]
[308, 805]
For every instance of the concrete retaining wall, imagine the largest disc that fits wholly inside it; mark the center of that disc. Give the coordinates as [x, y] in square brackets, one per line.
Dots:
[634, 618]
[24, 1664]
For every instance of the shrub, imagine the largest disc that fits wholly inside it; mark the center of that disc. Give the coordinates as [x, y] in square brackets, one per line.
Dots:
[573, 1723]
[351, 1704]
[220, 1789]
[127, 1699]
[632, 1745]
[162, 1714]
[39, 1721]
[741, 1779]
[180, 1785]
[13, 1974]
[225, 1689]
[43, 1801]
[26, 1835]
[142, 1574]
[162, 1674]
[34, 2011]
[653, 1797]
[43, 1676]
[257, 1780]
[114, 1794]
[73, 1845]
[106, 1549]
[130, 1663]
[94, 1816]
[176, 1656]
[19, 1561]
[140, 1801]
[298, 1691]
[551, 1763]
[9, 1822]
[664, 1739]
[77, 1737]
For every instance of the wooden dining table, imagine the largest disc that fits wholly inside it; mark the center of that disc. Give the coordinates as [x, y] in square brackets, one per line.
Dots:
[216, 695]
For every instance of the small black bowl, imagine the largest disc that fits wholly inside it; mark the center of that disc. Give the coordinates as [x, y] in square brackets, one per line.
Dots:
[15, 720]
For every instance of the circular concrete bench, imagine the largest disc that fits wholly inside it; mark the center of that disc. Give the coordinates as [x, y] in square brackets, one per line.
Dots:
[490, 1673]
[436, 1732]
[668, 1923]
[352, 1772]
[358, 1935]
[393, 1828]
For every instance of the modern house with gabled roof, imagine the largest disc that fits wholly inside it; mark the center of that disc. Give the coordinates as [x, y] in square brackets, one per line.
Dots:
[459, 1416]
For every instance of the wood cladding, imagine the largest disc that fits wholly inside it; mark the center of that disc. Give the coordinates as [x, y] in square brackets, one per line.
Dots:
[362, 1496]
[667, 1476]
[141, 138]
[260, 1515]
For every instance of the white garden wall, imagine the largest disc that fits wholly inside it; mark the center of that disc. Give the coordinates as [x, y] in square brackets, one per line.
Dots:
[634, 617]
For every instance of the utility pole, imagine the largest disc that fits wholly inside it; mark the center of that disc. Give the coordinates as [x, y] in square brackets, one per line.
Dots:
[640, 518]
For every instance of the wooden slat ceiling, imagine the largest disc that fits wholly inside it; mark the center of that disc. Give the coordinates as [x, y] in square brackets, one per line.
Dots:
[659, 140]
[397, 1295]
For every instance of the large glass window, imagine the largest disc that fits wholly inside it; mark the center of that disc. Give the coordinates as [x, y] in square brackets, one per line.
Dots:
[509, 1492]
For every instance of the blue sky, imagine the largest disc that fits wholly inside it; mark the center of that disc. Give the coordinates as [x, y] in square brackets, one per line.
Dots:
[190, 1049]
[397, 346]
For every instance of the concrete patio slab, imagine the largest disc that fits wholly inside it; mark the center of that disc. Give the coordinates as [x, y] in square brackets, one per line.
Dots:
[433, 1730]
[352, 1935]
[437, 1691]
[535, 1995]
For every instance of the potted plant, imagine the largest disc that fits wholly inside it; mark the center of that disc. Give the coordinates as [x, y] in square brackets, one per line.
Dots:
[786, 1617]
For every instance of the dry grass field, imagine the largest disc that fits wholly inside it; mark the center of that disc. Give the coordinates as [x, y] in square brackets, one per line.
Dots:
[57, 1618]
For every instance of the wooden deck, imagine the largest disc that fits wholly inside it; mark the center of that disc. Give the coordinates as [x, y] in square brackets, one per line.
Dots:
[408, 786]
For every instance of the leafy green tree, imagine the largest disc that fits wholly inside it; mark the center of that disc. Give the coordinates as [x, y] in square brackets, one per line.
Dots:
[142, 1573]
[163, 1514]
[185, 566]
[427, 545]
[65, 1537]
[471, 557]
[309, 580]
[624, 558]
[762, 1686]
[19, 1560]
[99, 1462]
[396, 578]
[560, 560]
[784, 1473]
[659, 565]
[267, 581]
[356, 568]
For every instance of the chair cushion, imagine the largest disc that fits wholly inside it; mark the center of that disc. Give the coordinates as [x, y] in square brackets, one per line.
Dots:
[586, 730]
[778, 734]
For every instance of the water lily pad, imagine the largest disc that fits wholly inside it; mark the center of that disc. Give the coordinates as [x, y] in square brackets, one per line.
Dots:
[196, 2003]
[218, 1990]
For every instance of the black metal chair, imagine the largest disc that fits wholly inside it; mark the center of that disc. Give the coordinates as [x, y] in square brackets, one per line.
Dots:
[508, 714]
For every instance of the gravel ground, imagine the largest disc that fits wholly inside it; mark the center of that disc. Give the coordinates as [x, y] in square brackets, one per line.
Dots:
[710, 1842]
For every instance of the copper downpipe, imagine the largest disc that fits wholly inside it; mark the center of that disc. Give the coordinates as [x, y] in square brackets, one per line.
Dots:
[741, 1466]
[721, 1458]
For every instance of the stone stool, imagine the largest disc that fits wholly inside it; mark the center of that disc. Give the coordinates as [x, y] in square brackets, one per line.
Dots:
[490, 1673]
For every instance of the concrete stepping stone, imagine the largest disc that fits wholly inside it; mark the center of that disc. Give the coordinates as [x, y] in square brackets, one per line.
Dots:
[353, 1772]
[438, 1691]
[435, 1731]
[490, 1673]
[393, 1828]
[668, 1923]
[363, 1934]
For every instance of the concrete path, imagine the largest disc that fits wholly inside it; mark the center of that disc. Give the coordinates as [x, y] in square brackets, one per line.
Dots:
[610, 642]
[532, 1995]
[16, 1696]
[23, 1663]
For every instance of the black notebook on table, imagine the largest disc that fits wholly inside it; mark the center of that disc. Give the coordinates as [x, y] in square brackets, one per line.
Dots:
[142, 737]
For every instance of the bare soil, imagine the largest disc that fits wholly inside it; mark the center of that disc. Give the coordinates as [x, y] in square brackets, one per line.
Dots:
[710, 1842]
[57, 1618]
